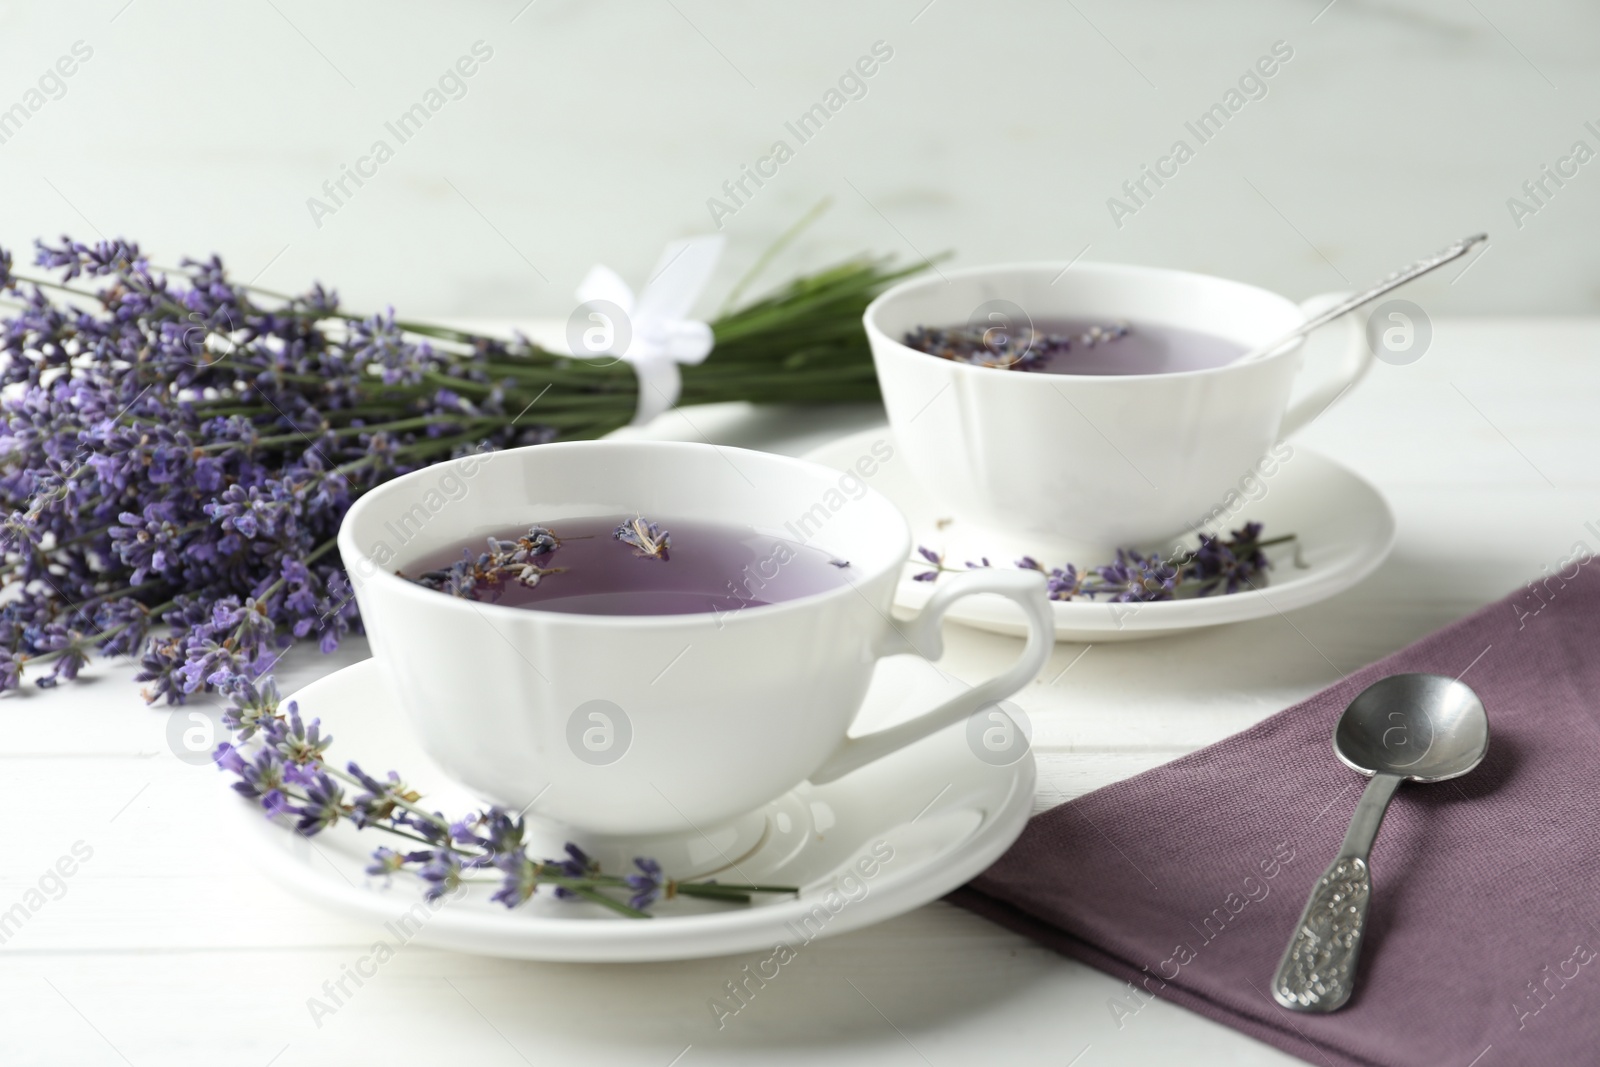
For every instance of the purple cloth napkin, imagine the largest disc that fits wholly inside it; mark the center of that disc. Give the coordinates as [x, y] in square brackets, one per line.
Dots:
[1481, 942]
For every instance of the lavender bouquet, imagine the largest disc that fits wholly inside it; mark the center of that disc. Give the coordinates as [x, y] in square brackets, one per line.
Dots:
[177, 449]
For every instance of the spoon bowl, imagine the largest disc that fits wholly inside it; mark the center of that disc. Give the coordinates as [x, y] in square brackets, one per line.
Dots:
[1422, 727]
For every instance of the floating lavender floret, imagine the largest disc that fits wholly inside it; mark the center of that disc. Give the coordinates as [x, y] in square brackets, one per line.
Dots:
[476, 577]
[1023, 348]
[1096, 334]
[649, 540]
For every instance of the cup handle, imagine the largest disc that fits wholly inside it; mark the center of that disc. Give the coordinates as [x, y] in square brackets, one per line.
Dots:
[1357, 360]
[922, 636]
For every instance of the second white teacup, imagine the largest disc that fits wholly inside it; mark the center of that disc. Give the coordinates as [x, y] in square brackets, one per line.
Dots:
[1078, 463]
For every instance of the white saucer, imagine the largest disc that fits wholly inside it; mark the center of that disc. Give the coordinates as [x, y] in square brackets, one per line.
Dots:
[1344, 525]
[941, 812]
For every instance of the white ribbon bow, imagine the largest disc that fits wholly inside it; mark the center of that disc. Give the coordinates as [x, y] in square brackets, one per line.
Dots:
[655, 335]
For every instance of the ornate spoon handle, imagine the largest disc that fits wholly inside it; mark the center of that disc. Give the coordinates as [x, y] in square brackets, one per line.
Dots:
[1317, 973]
[1318, 969]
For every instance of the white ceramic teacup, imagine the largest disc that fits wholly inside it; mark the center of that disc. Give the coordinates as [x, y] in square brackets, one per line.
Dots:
[1086, 463]
[641, 725]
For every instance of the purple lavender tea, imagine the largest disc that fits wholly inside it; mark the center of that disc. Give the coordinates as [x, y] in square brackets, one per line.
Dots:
[1077, 346]
[626, 565]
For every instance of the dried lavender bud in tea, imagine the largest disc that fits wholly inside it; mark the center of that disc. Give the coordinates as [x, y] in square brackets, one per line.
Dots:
[621, 566]
[1073, 346]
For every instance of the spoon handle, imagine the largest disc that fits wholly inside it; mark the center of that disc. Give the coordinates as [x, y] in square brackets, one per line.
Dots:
[1317, 972]
[1368, 816]
[1393, 281]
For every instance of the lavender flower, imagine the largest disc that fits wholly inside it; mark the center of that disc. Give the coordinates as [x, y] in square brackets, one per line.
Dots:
[252, 707]
[293, 739]
[481, 576]
[578, 863]
[260, 779]
[1230, 565]
[1004, 347]
[441, 870]
[1098, 334]
[521, 880]
[932, 557]
[71, 651]
[323, 805]
[1061, 583]
[648, 540]
[381, 800]
[385, 861]
[1134, 578]
[647, 884]
[939, 566]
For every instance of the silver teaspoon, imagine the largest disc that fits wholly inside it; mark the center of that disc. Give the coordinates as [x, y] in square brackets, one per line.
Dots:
[1416, 727]
[1393, 281]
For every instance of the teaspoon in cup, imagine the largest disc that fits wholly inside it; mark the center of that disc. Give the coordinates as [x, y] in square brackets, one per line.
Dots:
[1417, 727]
[1367, 296]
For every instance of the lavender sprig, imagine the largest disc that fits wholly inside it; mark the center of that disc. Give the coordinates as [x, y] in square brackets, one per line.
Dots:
[1213, 567]
[649, 540]
[280, 764]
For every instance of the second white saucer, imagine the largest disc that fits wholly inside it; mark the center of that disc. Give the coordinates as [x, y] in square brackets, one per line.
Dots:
[1344, 527]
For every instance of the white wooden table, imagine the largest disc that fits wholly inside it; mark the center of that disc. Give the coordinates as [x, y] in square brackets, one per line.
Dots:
[167, 948]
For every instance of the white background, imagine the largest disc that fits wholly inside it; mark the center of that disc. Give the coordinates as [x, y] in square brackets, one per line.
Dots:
[598, 131]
